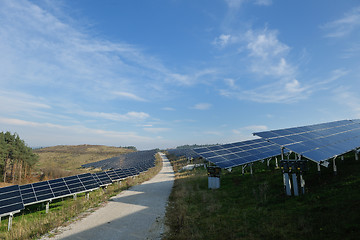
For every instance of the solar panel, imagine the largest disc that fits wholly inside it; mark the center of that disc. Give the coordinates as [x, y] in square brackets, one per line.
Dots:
[239, 153]
[43, 191]
[318, 142]
[10, 200]
[59, 187]
[28, 194]
[113, 175]
[102, 178]
[74, 184]
[88, 181]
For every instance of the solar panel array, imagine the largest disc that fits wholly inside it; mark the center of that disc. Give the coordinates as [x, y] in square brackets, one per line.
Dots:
[239, 153]
[142, 160]
[318, 142]
[61, 187]
[10, 200]
[14, 198]
[187, 152]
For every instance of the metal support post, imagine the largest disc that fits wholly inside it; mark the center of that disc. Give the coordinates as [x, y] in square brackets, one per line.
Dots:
[287, 184]
[47, 207]
[342, 158]
[268, 162]
[87, 196]
[10, 221]
[334, 166]
[302, 184]
[75, 196]
[251, 169]
[356, 155]
[276, 163]
[295, 184]
[243, 169]
[318, 168]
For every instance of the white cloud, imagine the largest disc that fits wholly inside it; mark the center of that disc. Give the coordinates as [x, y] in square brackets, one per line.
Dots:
[230, 82]
[343, 26]
[263, 2]
[350, 99]
[235, 4]
[168, 109]
[222, 40]
[129, 96]
[42, 134]
[156, 130]
[130, 116]
[265, 44]
[202, 106]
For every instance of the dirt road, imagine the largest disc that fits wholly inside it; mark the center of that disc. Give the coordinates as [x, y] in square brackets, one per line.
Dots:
[137, 213]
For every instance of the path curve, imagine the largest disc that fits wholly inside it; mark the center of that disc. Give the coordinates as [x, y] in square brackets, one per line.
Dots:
[136, 213]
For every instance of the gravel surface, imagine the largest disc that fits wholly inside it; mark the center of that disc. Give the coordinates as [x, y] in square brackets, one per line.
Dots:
[137, 213]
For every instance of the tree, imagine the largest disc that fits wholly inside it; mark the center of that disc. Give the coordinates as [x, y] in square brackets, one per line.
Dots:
[15, 157]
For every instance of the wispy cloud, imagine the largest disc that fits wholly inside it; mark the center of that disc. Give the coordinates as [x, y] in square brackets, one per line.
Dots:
[350, 99]
[130, 96]
[72, 134]
[168, 109]
[156, 130]
[202, 106]
[130, 116]
[343, 26]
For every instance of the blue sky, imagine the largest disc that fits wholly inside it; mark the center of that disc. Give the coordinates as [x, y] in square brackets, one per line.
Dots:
[163, 73]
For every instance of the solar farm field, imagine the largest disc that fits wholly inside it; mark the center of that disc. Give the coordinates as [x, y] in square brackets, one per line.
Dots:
[60, 161]
[256, 207]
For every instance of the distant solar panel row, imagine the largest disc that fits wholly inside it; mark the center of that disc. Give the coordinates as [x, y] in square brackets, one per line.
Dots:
[318, 142]
[187, 152]
[239, 153]
[142, 160]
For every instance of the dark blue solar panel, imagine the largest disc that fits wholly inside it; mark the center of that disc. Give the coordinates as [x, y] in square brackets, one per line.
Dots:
[10, 200]
[59, 188]
[74, 184]
[319, 141]
[27, 194]
[103, 178]
[235, 154]
[88, 181]
[43, 191]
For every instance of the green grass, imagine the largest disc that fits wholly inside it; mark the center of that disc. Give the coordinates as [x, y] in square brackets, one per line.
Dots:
[255, 206]
[33, 222]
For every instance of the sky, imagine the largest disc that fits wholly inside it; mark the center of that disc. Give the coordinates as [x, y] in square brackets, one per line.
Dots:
[164, 73]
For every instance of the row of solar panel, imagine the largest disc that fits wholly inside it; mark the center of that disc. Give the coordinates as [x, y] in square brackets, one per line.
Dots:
[129, 160]
[15, 198]
[317, 142]
[239, 153]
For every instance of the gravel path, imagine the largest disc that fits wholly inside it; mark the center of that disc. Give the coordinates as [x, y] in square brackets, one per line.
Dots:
[137, 213]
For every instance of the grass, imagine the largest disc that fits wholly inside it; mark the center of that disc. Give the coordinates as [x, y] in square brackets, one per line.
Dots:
[33, 222]
[255, 206]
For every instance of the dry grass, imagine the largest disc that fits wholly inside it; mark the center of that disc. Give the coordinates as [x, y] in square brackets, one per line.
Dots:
[34, 222]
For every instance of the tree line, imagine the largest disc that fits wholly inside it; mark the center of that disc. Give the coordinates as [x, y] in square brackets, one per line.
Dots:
[16, 159]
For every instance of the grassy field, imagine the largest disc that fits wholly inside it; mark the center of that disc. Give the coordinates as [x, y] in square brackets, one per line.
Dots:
[255, 206]
[60, 161]
[33, 222]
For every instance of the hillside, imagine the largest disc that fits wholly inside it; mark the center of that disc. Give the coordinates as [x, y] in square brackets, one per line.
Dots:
[64, 160]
